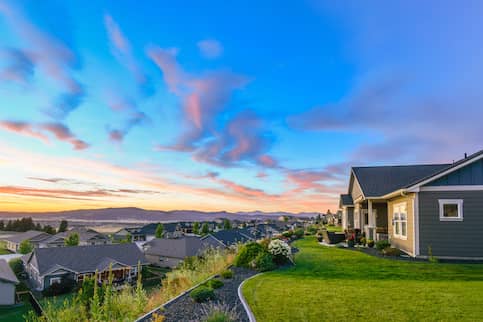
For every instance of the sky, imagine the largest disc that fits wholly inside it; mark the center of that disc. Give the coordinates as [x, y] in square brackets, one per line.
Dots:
[222, 105]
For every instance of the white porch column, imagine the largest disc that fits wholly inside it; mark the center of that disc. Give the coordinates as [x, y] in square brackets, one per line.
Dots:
[372, 221]
[357, 216]
[344, 218]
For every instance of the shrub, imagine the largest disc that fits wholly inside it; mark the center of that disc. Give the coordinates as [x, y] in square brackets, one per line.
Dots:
[202, 294]
[363, 241]
[226, 274]
[382, 244]
[217, 312]
[311, 230]
[431, 257]
[299, 232]
[265, 242]
[16, 265]
[215, 283]
[391, 251]
[65, 286]
[264, 262]
[247, 253]
[280, 251]
[287, 234]
[370, 243]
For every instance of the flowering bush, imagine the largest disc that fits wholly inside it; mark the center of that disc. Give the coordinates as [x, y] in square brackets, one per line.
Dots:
[280, 251]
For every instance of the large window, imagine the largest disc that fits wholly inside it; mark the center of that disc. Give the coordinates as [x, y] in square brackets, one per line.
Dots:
[451, 210]
[400, 221]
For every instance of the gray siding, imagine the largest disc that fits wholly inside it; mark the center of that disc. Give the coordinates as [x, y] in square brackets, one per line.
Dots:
[471, 174]
[7, 293]
[446, 238]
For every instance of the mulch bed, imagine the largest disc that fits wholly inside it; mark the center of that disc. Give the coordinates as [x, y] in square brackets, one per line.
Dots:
[185, 309]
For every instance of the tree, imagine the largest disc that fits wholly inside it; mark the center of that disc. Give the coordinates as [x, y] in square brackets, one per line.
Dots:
[25, 247]
[2, 225]
[226, 224]
[205, 229]
[159, 231]
[49, 229]
[196, 228]
[63, 226]
[72, 240]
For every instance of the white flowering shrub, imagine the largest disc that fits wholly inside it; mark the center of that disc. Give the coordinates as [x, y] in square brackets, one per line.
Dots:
[280, 250]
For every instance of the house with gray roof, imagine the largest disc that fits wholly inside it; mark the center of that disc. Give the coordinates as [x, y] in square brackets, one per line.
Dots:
[35, 237]
[46, 266]
[228, 237]
[422, 209]
[8, 280]
[86, 237]
[169, 252]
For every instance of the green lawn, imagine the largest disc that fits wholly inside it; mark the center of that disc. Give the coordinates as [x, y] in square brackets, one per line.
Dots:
[3, 248]
[331, 284]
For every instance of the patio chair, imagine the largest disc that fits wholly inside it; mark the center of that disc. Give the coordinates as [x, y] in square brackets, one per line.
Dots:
[332, 238]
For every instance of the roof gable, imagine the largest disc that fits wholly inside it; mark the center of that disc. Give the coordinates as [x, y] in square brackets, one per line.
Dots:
[6, 273]
[382, 180]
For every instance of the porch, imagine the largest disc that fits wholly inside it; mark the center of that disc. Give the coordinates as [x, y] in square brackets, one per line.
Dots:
[368, 216]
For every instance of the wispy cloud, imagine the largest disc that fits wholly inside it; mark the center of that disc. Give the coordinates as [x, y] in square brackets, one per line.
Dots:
[41, 130]
[19, 66]
[121, 49]
[49, 54]
[210, 48]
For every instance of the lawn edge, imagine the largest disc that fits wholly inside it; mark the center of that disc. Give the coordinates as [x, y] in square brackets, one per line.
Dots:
[244, 302]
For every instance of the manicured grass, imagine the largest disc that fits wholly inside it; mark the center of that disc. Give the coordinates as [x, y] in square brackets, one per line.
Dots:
[14, 314]
[331, 284]
[3, 248]
[334, 228]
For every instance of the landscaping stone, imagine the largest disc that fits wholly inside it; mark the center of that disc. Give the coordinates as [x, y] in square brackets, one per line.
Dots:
[185, 309]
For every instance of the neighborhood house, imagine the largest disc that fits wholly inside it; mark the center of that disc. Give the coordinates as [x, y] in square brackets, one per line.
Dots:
[46, 266]
[423, 210]
[35, 237]
[8, 280]
[86, 237]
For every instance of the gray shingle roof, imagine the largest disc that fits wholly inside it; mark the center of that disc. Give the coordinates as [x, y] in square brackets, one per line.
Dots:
[346, 200]
[6, 273]
[231, 236]
[84, 235]
[175, 247]
[85, 258]
[379, 181]
[32, 235]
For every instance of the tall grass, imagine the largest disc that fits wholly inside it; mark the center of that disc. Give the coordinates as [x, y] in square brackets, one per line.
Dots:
[192, 272]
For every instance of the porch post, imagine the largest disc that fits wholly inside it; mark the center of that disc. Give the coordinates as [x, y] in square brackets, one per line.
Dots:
[372, 220]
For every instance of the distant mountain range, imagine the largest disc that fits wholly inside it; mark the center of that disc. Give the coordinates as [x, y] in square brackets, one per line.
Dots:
[133, 214]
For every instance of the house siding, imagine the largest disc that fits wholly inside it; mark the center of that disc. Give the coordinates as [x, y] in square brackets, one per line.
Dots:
[405, 245]
[163, 261]
[356, 191]
[451, 238]
[7, 293]
[471, 174]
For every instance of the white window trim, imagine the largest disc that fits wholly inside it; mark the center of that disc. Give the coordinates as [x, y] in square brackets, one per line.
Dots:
[443, 202]
[399, 236]
[55, 280]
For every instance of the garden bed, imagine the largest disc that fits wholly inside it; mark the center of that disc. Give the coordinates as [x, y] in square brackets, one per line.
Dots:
[185, 309]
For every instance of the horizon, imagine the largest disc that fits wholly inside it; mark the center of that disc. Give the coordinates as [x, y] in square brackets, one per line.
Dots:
[177, 106]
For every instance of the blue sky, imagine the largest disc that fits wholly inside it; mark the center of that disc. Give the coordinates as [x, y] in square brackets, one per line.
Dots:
[228, 106]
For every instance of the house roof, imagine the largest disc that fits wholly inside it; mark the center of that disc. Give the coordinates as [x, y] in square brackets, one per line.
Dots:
[6, 273]
[85, 258]
[381, 180]
[84, 235]
[32, 235]
[231, 236]
[175, 247]
[346, 200]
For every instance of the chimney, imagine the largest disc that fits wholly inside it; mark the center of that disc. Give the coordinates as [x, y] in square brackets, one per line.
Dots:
[466, 155]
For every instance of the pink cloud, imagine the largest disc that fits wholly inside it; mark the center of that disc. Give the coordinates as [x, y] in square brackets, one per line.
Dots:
[210, 48]
[63, 133]
[23, 128]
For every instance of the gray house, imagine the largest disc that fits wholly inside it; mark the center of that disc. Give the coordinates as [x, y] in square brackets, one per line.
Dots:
[46, 266]
[86, 237]
[35, 237]
[8, 280]
[169, 252]
[421, 209]
[227, 238]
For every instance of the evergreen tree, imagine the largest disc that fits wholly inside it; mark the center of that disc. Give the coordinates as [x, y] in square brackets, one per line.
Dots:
[205, 229]
[49, 229]
[63, 226]
[159, 231]
[226, 224]
[196, 228]
[72, 240]
[2, 225]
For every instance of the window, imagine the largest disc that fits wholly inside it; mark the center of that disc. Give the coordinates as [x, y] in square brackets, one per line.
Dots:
[400, 221]
[451, 210]
[55, 280]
